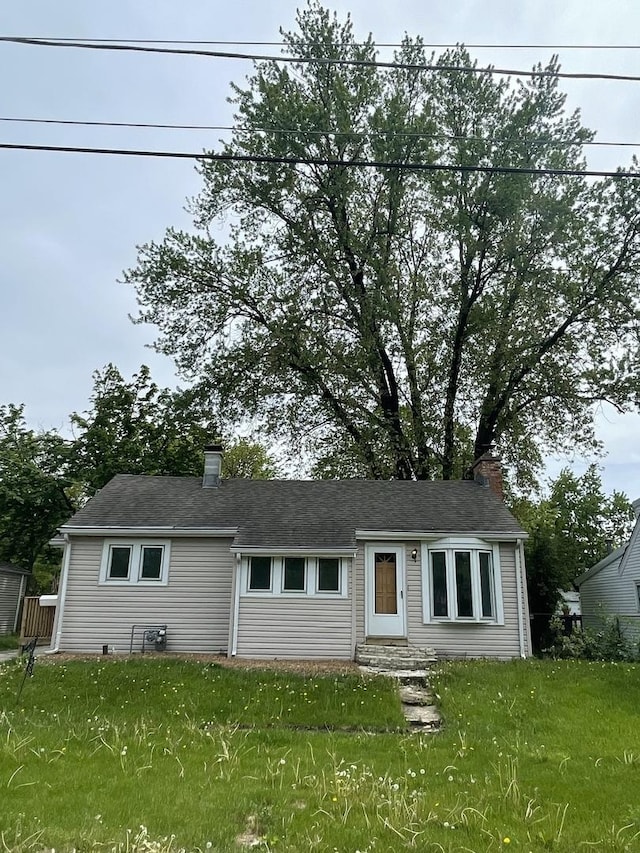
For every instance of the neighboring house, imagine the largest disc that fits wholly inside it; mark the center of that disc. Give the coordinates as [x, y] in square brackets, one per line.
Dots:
[13, 584]
[295, 569]
[612, 586]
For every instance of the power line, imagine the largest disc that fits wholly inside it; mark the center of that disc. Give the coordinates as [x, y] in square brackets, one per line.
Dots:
[324, 161]
[359, 63]
[304, 132]
[473, 46]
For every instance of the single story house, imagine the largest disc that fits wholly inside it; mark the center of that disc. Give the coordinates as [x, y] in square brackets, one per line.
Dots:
[612, 586]
[294, 569]
[13, 584]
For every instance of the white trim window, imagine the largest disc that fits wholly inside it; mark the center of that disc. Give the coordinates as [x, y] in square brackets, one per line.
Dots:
[126, 562]
[293, 575]
[461, 581]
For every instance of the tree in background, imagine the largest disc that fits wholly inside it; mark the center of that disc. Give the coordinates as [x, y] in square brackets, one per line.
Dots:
[132, 427]
[36, 493]
[570, 530]
[247, 460]
[135, 427]
[398, 320]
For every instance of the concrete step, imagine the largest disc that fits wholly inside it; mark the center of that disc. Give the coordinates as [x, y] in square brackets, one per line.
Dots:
[396, 649]
[425, 716]
[403, 676]
[415, 694]
[394, 657]
[388, 662]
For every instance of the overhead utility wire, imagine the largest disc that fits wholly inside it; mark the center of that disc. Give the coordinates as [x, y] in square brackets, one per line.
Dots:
[337, 43]
[359, 63]
[323, 161]
[299, 131]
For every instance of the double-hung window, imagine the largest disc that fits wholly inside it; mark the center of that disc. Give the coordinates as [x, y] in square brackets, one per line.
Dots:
[134, 562]
[461, 581]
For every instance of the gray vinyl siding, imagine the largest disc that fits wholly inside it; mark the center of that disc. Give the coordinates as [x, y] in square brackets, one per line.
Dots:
[306, 627]
[195, 604]
[10, 587]
[609, 593]
[278, 627]
[456, 640]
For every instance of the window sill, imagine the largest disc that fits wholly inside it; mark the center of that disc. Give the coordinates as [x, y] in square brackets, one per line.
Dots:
[298, 596]
[460, 621]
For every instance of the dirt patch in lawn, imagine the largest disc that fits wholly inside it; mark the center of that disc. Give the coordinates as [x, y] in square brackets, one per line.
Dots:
[301, 667]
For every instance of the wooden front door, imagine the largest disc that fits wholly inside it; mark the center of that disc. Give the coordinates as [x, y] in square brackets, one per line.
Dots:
[385, 591]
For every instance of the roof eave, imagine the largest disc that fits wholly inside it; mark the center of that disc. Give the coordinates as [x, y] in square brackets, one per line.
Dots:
[426, 535]
[114, 530]
[300, 551]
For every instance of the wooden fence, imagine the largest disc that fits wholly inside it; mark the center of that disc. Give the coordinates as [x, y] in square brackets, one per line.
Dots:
[36, 621]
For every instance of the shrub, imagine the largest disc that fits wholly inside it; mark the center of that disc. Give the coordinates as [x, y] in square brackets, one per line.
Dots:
[606, 643]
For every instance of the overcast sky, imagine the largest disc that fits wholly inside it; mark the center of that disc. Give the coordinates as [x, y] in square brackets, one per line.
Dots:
[70, 223]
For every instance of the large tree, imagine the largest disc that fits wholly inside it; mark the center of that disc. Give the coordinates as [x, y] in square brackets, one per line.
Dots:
[36, 493]
[570, 529]
[132, 426]
[397, 320]
[136, 427]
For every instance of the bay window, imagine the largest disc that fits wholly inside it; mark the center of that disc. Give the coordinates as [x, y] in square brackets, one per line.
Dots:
[461, 581]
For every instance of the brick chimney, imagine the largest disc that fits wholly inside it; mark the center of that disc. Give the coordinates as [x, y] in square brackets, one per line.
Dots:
[212, 466]
[487, 470]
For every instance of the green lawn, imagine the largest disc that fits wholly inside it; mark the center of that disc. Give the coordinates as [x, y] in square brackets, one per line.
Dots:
[8, 642]
[534, 756]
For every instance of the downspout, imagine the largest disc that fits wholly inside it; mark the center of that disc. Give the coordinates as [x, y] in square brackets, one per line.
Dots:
[61, 596]
[523, 653]
[236, 606]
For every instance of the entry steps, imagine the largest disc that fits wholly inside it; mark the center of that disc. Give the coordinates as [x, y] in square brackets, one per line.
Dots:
[410, 666]
[395, 658]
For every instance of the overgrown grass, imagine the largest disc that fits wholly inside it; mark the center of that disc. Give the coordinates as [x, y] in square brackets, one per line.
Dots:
[8, 642]
[534, 756]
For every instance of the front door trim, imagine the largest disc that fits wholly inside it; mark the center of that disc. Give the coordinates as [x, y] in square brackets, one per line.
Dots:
[386, 625]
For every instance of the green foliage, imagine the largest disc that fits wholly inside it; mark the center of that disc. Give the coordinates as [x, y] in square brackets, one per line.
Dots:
[133, 427]
[570, 530]
[533, 756]
[136, 427]
[396, 322]
[8, 642]
[246, 460]
[604, 643]
[36, 494]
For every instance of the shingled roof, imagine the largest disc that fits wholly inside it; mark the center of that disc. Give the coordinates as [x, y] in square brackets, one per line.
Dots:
[296, 513]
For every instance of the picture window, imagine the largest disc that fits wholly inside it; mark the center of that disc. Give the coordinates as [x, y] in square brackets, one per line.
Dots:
[294, 574]
[328, 574]
[119, 559]
[260, 574]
